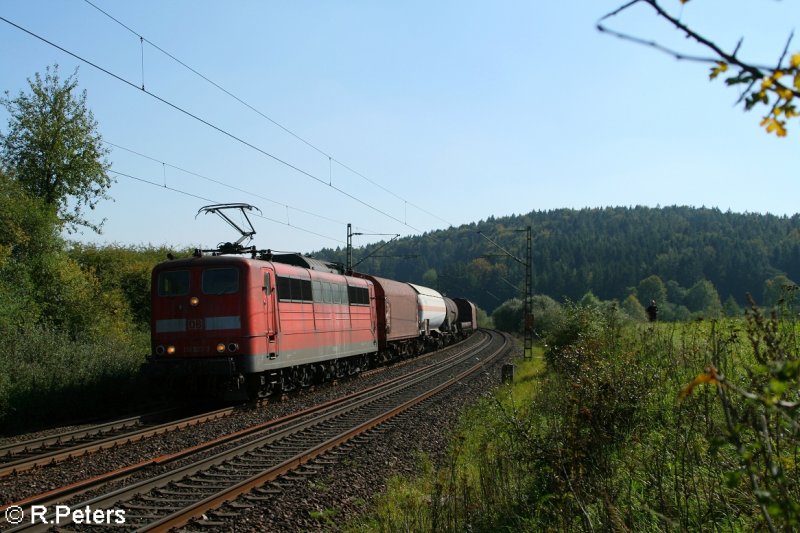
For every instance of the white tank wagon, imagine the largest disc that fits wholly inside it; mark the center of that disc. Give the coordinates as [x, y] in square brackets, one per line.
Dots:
[432, 313]
[451, 319]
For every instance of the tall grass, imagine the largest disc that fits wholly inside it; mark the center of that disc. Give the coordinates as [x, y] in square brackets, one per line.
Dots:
[628, 426]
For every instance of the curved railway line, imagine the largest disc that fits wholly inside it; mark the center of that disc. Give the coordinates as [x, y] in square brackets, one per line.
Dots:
[18, 457]
[240, 462]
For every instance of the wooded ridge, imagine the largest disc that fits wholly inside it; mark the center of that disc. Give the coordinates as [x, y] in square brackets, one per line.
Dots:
[607, 251]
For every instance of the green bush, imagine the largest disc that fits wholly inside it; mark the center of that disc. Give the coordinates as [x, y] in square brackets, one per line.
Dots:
[635, 427]
[49, 375]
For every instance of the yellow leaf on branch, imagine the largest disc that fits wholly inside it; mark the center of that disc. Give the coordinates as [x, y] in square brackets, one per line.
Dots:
[785, 93]
[707, 377]
[778, 127]
[719, 69]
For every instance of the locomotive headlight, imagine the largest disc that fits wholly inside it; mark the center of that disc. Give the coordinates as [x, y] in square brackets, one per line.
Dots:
[220, 348]
[160, 349]
[194, 301]
[170, 350]
[232, 347]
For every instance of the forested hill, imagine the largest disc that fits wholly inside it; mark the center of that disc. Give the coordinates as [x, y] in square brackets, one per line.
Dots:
[607, 251]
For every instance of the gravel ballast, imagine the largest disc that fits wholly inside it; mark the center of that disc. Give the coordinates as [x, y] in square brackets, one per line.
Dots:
[344, 484]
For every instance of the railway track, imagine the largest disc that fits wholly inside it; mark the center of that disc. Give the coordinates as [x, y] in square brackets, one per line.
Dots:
[21, 456]
[25, 455]
[261, 454]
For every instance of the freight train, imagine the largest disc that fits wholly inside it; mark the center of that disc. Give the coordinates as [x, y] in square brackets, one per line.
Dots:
[251, 326]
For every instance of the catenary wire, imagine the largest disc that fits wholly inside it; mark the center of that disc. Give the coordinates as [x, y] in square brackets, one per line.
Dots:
[218, 182]
[209, 124]
[263, 115]
[185, 193]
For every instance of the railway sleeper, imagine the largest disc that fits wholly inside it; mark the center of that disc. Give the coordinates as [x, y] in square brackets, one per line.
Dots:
[141, 518]
[211, 523]
[146, 498]
[305, 473]
[324, 462]
[250, 464]
[201, 486]
[239, 505]
[259, 499]
[154, 508]
[291, 477]
[206, 477]
[267, 491]
[229, 475]
[167, 492]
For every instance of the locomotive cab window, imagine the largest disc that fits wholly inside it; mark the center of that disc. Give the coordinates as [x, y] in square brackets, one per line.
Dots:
[173, 283]
[220, 281]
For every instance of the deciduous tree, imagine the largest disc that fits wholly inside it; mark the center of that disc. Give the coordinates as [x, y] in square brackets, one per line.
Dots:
[53, 149]
[652, 288]
[702, 297]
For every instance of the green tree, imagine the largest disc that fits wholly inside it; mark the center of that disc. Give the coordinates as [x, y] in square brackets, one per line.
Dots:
[484, 320]
[27, 233]
[430, 278]
[633, 308]
[702, 297]
[731, 307]
[675, 293]
[53, 149]
[776, 288]
[589, 300]
[547, 314]
[508, 317]
[652, 288]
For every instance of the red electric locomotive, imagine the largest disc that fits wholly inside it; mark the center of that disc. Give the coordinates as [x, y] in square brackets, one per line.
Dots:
[251, 326]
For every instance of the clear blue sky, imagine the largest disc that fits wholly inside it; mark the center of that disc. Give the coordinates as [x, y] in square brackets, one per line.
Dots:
[459, 109]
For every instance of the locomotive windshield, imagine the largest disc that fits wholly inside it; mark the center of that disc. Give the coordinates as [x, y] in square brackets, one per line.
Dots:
[173, 283]
[220, 281]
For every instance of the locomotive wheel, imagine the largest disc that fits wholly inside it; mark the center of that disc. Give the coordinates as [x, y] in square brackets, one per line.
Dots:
[353, 366]
[306, 376]
[289, 379]
[259, 386]
[340, 368]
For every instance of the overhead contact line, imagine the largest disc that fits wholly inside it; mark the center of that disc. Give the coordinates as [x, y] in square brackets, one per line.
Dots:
[331, 158]
[218, 182]
[209, 124]
[165, 186]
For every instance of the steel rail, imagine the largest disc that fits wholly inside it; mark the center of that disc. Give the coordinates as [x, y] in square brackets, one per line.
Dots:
[63, 493]
[142, 431]
[57, 448]
[184, 516]
[26, 446]
[185, 477]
